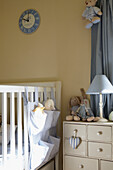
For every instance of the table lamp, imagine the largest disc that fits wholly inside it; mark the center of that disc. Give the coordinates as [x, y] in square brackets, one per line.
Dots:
[100, 85]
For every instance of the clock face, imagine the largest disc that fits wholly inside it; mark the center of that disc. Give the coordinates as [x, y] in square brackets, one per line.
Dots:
[29, 21]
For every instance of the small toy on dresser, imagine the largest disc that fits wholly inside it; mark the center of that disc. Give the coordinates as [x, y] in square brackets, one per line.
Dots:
[87, 113]
[80, 109]
[92, 13]
[85, 110]
[74, 107]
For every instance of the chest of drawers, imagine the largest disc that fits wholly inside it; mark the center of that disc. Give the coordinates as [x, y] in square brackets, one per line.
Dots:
[95, 151]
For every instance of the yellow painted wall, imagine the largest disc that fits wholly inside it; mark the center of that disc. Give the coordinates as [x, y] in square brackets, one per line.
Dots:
[28, 56]
[58, 50]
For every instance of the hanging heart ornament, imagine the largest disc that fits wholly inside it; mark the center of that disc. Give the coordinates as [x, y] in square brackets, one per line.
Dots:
[74, 140]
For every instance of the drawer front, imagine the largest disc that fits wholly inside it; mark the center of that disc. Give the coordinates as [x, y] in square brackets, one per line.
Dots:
[69, 130]
[99, 133]
[105, 165]
[72, 163]
[99, 150]
[81, 150]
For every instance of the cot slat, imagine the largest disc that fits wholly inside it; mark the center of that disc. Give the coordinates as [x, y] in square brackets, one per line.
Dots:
[12, 123]
[4, 127]
[31, 96]
[19, 119]
[16, 92]
[26, 137]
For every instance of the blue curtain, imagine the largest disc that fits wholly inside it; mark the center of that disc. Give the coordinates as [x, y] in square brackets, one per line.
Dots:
[102, 54]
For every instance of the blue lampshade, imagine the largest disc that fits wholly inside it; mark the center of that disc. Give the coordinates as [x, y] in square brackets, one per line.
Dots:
[100, 84]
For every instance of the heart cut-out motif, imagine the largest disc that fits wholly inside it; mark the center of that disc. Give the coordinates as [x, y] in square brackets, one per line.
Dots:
[75, 142]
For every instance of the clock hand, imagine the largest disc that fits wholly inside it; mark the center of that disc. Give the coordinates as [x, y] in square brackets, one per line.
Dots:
[28, 15]
[25, 19]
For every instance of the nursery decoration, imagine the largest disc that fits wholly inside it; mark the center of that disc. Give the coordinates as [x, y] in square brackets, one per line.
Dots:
[74, 140]
[85, 109]
[100, 85]
[74, 107]
[79, 109]
[91, 14]
[29, 21]
[49, 105]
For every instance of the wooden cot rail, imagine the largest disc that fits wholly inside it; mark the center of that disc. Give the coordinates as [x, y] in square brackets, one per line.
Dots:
[16, 91]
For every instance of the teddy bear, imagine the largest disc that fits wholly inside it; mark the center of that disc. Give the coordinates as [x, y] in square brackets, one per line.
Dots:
[74, 106]
[91, 14]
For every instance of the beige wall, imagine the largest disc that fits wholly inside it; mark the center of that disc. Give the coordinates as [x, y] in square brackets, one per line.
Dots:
[58, 50]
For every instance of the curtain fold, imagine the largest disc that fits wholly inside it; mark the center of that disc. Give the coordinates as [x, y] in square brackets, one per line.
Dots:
[102, 54]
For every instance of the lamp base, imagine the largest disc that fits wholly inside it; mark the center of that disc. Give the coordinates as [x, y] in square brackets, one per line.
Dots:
[102, 120]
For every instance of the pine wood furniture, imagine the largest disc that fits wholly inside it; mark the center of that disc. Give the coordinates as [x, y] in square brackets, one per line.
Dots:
[96, 149]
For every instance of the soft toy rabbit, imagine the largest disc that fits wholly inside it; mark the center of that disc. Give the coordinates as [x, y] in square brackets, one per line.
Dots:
[74, 106]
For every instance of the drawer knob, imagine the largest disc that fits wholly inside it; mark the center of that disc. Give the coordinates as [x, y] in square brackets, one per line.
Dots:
[100, 150]
[99, 133]
[81, 166]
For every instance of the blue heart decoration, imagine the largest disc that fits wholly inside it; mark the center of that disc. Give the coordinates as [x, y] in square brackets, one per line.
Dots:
[74, 142]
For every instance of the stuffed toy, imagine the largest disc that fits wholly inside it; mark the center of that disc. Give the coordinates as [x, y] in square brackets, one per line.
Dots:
[74, 106]
[39, 108]
[49, 105]
[87, 114]
[85, 110]
[79, 109]
[91, 14]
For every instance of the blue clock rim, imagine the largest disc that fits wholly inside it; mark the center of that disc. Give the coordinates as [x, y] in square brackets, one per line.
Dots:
[32, 29]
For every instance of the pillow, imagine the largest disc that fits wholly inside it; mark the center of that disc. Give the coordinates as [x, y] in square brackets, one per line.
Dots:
[8, 133]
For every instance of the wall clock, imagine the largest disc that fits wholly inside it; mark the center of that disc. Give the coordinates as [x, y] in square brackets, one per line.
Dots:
[29, 21]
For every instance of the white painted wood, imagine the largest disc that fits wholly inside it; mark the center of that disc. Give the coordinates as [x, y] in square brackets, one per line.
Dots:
[9, 88]
[12, 124]
[99, 150]
[75, 163]
[58, 94]
[70, 128]
[90, 123]
[101, 106]
[17, 90]
[80, 151]
[105, 165]
[4, 127]
[96, 148]
[26, 137]
[99, 133]
[31, 96]
[19, 123]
